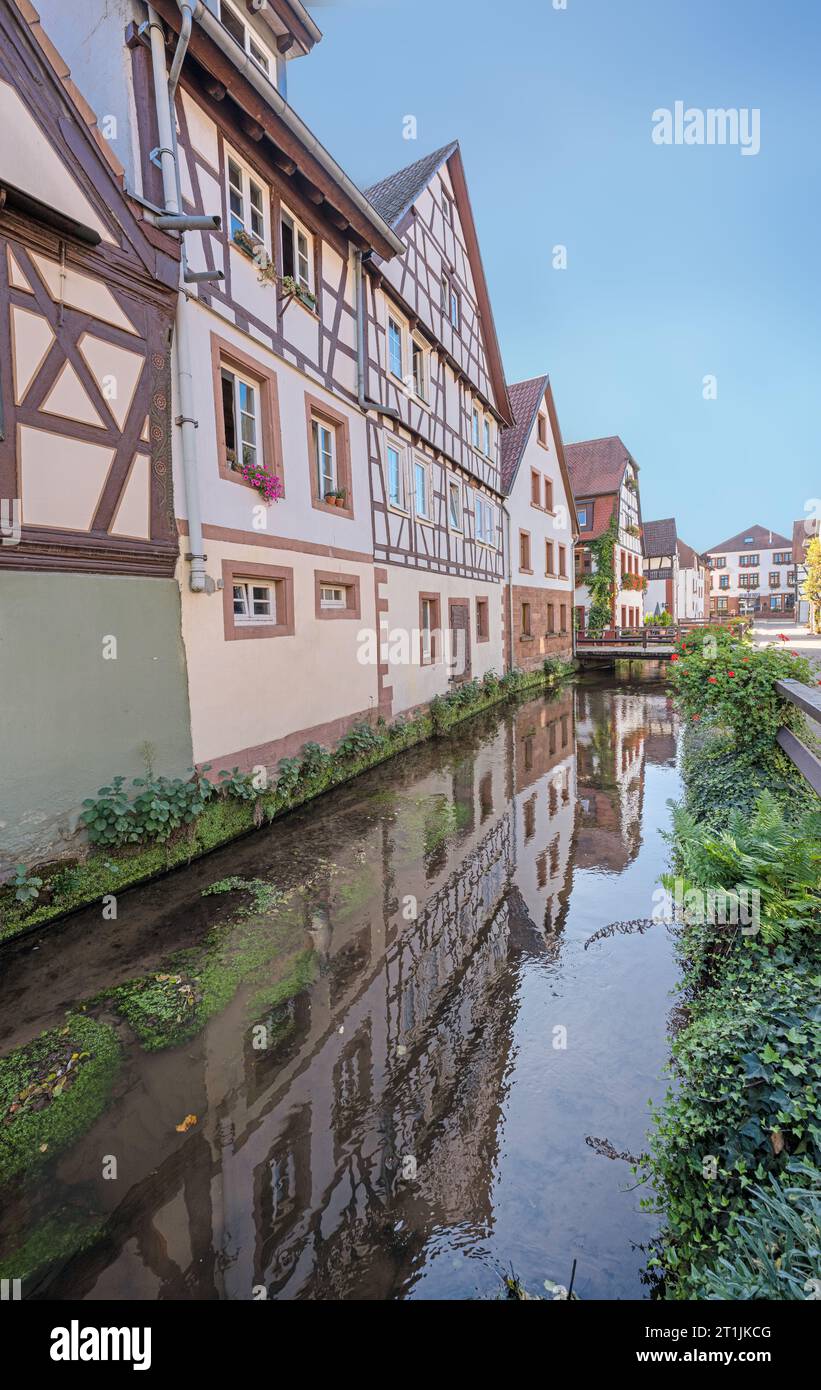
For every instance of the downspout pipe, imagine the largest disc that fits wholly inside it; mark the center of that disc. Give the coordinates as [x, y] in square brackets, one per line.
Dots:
[361, 374]
[509, 583]
[165, 87]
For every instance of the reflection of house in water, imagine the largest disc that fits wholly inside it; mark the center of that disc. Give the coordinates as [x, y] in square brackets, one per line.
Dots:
[660, 743]
[610, 738]
[395, 1058]
[544, 797]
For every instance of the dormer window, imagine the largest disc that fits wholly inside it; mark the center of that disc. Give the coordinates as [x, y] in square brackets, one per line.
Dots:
[244, 35]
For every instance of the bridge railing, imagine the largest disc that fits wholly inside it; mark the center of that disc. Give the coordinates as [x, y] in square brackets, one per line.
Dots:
[808, 700]
[636, 637]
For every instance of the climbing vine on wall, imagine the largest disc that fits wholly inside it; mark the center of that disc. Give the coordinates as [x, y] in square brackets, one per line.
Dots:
[602, 582]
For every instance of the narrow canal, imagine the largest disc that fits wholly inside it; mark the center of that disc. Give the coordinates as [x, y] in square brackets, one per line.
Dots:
[421, 1048]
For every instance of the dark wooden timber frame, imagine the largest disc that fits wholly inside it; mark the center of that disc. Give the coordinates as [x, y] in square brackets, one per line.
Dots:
[140, 272]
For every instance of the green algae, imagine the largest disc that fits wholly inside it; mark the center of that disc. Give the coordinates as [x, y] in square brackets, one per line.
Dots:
[52, 1090]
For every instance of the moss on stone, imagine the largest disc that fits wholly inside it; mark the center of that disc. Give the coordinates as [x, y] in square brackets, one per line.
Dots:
[49, 1243]
[52, 1090]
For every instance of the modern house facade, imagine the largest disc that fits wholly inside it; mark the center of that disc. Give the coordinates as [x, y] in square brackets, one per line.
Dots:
[92, 681]
[752, 572]
[675, 574]
[604, 478]
[542, 529]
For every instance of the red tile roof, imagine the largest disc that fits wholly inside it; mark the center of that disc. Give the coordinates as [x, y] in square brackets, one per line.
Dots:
[525, 399]
[597, 466]
[688, 558]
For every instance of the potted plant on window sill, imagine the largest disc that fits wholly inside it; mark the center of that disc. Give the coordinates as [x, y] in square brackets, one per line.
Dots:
[336, 497]
[268, 485]
[244, 242]
[297, 291]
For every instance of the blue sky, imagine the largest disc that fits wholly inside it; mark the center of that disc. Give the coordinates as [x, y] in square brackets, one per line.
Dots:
[683, 261]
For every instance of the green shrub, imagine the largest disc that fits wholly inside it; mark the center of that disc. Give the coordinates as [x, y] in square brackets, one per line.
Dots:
[360, 742]
[732, 685]
[26, 886]
[161, 806]
[777, 1251]
[241, 785]
[759, 853]
[747, 1099]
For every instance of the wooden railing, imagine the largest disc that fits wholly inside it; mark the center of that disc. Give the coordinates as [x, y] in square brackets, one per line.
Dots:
[808, 700]
[628, 637]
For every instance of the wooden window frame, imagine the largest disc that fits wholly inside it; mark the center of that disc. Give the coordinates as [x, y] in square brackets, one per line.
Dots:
[235, 570]
[526, 632]
[535, 488]
[311, 238]
[436, 628]
[483, 606]
[548, 495]
[225, 354]
[316, 408]
[249, 176]
[524, 536]
[562, 558]
[549, 559]
[541, 430]
[353, 602]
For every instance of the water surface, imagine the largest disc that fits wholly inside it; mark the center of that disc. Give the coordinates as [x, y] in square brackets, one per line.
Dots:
[437, 1107]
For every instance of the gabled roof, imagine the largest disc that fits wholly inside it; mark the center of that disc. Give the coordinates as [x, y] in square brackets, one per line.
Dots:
[688, 558]
[803, 532]
[526, 397]
[659, 537]
[394, 196]
[597, 465]
[96, 205]
[762, 538]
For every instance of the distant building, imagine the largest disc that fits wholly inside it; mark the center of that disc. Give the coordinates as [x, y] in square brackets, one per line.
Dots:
[752, 572]
[539, 589]
[604, 479]
[675, 573]
[803, 532]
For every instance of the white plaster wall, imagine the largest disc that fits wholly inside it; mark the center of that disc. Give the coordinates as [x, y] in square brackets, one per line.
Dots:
[414, 684]
[541, 524]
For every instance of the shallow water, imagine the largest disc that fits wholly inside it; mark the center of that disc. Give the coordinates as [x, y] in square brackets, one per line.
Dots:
[430, 1111]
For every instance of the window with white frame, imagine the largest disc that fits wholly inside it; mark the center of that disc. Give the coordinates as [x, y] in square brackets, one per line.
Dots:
[454, 306]
[422, 489]
[396, 474]
[419, 364]
[245, 36]
[241, 419]
[247, 200]
[297, 251]
[485, 521]
[396, 356]
[454, 505]
[254, 603]
[325, 459]
[476, 428]
[487, 436]
[332, 596]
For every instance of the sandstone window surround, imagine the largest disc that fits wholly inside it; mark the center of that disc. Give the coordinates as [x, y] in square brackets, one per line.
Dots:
[240, 606]
[231, 367]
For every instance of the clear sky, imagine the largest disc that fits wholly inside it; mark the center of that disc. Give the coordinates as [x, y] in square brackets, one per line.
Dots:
[683, 261]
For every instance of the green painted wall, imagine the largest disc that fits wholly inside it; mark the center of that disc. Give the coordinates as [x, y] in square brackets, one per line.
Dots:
[71, 719]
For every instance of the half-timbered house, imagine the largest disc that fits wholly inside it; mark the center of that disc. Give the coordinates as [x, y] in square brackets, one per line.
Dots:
[434, 369]
[605, 481]
[92, 678]
[539, 580]
[275, 593]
